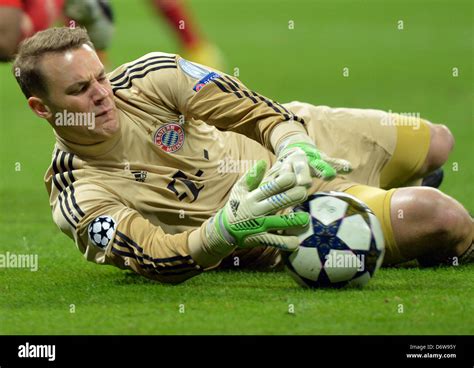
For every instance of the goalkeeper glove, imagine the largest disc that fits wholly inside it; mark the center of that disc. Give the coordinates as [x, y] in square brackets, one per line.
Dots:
[299, 154]
[245, 221]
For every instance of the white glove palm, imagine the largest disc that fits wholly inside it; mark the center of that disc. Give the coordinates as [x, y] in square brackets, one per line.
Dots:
[245, 221]
[299, 154]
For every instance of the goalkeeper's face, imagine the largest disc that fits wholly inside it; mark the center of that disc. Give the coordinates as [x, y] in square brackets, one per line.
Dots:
[79, 99]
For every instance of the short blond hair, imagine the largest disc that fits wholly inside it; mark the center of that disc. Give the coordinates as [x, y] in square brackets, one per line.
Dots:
[26, 64]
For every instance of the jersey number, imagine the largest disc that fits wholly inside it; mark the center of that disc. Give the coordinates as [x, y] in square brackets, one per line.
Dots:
[193, 189]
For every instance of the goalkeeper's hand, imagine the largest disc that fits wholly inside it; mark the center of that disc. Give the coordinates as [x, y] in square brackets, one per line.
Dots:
[246, 220]
[299, 154]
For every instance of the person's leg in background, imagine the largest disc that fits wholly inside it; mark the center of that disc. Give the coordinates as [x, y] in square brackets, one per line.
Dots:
[194, 46]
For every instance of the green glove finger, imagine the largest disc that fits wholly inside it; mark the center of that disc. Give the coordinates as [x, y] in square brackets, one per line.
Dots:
[314, 160]
[326, 170]
[254, 176]
[295, 220]
[241, 230]
[308, 149]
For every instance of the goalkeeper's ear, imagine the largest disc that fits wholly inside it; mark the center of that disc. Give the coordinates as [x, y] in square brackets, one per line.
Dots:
[40, 108]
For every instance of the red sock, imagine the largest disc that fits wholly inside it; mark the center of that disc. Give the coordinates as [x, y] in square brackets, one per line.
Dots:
[175, 14]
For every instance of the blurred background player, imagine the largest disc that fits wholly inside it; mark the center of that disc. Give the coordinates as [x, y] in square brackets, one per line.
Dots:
[193, 44]
[20, 19]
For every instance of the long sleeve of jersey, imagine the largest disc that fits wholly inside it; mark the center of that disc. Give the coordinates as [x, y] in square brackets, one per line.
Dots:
[199, 93]
[108, 231]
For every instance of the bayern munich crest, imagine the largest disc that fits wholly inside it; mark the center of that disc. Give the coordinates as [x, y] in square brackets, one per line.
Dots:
[169, 138]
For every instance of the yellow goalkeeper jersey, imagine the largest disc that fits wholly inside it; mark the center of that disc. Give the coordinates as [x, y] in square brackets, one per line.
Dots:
[187, 133]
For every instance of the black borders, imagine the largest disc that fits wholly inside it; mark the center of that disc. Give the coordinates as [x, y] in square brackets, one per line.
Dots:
[241, 351]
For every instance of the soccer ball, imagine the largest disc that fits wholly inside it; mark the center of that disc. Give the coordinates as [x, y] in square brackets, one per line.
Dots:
[101, 231]
[342, 246]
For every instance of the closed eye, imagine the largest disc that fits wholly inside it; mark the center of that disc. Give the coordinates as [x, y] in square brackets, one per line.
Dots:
[81, 89]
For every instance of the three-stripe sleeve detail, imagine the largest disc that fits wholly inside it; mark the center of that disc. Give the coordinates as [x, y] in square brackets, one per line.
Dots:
[140, 69]
[227, 85]
[69, 206]
[62, 175]
[126, 247]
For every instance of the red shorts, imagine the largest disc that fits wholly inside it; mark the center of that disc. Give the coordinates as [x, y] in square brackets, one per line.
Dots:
[41, 13]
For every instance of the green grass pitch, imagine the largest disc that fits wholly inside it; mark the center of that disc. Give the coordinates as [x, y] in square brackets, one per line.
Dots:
[403, 70]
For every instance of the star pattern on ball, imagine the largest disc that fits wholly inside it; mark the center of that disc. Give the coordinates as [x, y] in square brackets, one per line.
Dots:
[341, 248]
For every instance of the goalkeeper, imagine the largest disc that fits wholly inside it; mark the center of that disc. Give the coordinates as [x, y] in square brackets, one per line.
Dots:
[141, 185]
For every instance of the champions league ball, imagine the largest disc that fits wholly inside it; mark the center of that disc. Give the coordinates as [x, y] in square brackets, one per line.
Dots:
[342, 246]
[101, 231]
